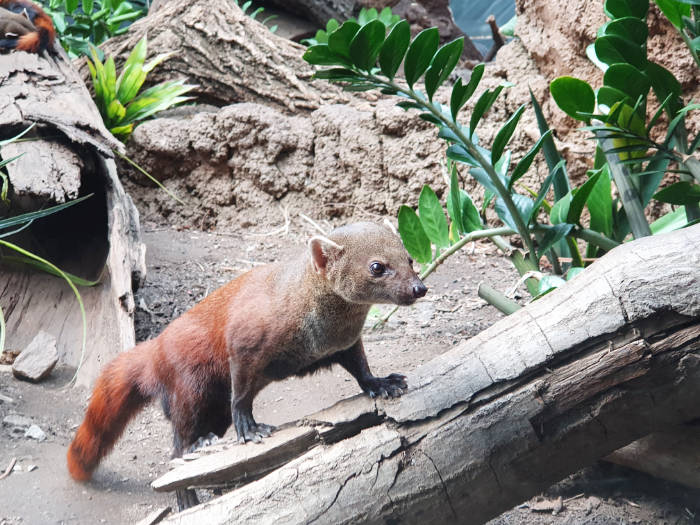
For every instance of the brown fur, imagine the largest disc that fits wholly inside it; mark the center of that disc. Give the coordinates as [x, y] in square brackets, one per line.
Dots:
[25, 26]
[278, 320]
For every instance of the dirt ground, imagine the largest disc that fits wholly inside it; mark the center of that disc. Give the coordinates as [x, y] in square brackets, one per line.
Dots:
[183, 267]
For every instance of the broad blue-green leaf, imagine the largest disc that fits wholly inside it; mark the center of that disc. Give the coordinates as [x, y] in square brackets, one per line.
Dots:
[573, 272]
[505, 133]
[482, 178]
[459, 153]
[681, 193]
[420, 53]
[627, 79]
[442, 65]
[71, 5]
[553, 234]
[630, 28]
[613, 49]
[462, 93]
[366, 44]
[321, 55]
[542, 194]
[470, 215]
[522, 203]
[573, 96]
[671, 221]
[622, 8]
[482, 105]
[608, 96]
[665, 85]
[339, 40]
[580, 198]
[433, 218]
[394, 49]
[549, 283]
[674, 11]
[560, 210]
[454, 208]
[600, 205]
[413, 236]
[525, 163]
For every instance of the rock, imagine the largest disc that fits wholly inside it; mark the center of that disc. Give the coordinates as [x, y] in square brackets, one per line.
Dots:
[34, 432]
[37, 360]
[14, 420]
[5, 399]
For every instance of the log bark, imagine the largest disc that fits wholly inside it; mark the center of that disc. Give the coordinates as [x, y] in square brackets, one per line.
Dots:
[608, 358]
[70, 155]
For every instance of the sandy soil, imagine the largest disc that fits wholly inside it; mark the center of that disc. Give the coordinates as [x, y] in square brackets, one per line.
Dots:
[186, 265]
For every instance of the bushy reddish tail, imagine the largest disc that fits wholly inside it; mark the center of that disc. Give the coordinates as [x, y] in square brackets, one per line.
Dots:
[123, 388]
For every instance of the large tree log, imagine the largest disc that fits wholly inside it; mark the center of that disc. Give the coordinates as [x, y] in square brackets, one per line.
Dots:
[71, 155]
[610, 357]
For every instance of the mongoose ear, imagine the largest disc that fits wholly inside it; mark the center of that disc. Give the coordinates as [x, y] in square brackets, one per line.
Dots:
[388, 224]
[321, 249]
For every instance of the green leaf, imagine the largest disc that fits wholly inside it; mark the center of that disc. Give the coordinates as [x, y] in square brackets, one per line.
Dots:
[573, 272]
[613, 49]
[433, 218]
[623, 8]
[665, 85]
[471, 220]
[681, 193]
[339, 40]
[544, 189]
[30, 216]
[579, 200]
[413, 236]
[549, 283]
[560, 210]
[600, 205]
[71, 5]
[555, 163]
[338, 74]
[394, 49]
[132, 76]
[454, 208]
[674, 11]
[630, 28]
[573, 96]
[482, 105]
[462, 93]
[420, 53]
[627, 79]
[671, 221]
[442, 65]
[608, 96]
[366, 44]
[459, 153]
[505, 133]
[88, 6]
[524, 164]
[553, 234]
[321, 55]
[522, 203]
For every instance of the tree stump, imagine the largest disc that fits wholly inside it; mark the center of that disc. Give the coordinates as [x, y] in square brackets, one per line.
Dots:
[70, 156]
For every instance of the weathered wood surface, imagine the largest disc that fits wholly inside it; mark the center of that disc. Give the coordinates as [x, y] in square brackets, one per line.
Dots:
[673, 454]
[230, 56]
[70, 156]
[597, 364]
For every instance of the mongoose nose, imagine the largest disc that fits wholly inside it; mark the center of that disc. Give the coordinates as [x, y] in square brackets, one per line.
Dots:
[419, 290]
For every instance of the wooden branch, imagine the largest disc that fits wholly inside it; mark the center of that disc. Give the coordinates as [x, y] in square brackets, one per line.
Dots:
[608, 358]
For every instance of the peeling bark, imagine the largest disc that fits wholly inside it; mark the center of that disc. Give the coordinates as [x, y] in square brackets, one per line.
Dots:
[610, 357]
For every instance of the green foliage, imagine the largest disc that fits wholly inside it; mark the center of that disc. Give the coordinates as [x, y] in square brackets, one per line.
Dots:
[118, 98]
[635, 161]
[385, 16]
[82, 23]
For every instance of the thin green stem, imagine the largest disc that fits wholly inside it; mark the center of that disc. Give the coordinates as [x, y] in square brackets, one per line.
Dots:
[593, 237]
[474, 152]
[497, 299]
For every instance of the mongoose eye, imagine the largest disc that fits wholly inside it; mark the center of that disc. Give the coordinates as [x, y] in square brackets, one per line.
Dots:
[377, 269]
[410, 262]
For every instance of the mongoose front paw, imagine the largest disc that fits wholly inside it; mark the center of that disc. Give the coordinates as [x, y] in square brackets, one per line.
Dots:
[248, 430]
[392, 385]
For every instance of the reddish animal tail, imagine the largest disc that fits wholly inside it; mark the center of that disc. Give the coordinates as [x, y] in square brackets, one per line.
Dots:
[123, 388]
[32, 41]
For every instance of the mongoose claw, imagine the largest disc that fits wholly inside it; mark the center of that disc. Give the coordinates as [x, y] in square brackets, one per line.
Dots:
[392, 385]
[248, 430]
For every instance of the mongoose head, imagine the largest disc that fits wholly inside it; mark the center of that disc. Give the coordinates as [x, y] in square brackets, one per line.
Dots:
[366, 263]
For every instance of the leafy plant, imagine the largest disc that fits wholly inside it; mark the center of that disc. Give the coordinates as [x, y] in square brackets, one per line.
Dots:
[255, 12]
[13, 225]
[85, 22]
[365, 57]
[628, 150]
[118, 98]
[366, 15]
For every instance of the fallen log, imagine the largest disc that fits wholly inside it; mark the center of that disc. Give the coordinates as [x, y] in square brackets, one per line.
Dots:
[593, 366]
[70, 155]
